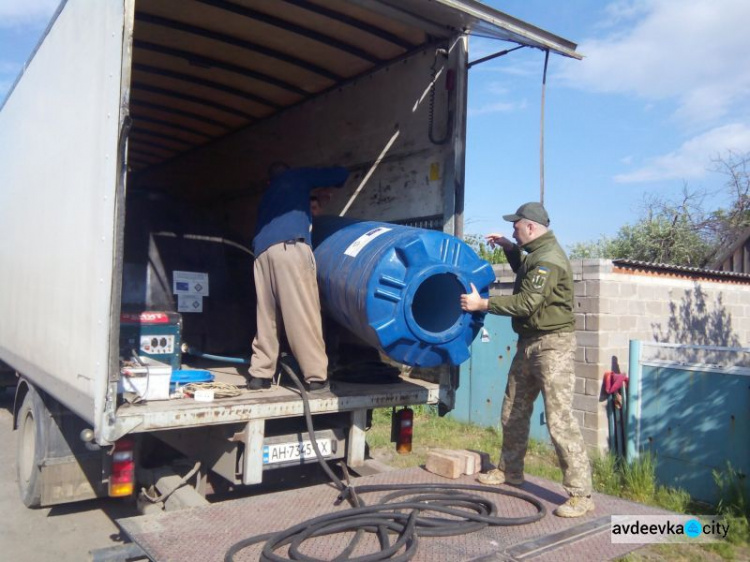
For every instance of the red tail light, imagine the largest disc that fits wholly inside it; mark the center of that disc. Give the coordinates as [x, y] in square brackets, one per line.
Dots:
[122, 475]
[405, 421]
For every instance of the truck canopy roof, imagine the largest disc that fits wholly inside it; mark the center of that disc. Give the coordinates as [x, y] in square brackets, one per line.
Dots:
[219, 66]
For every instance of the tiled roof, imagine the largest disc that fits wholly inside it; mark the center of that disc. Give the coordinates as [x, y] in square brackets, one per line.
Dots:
[667, 270]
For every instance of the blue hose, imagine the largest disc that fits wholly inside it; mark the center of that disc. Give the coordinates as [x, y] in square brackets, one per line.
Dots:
[197, 353]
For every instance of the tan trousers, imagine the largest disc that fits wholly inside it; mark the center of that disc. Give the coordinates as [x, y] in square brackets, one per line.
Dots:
[287, 293]
[545, 364]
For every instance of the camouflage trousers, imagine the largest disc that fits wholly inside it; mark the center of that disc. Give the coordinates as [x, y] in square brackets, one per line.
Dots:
[545, 363]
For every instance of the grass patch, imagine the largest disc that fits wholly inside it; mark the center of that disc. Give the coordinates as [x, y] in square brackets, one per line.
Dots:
[637, 482]
[433, 432]
[734, 506]
[430, 432]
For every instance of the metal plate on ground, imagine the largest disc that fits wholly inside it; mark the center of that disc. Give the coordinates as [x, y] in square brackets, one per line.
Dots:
[207, 533]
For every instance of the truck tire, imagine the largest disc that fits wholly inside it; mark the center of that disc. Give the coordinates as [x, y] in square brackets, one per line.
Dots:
[30, 448]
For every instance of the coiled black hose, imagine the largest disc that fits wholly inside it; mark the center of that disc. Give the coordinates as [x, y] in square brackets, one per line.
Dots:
[462, 512]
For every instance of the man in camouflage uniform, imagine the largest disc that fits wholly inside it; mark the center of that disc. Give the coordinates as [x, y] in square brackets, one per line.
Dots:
[542, 310]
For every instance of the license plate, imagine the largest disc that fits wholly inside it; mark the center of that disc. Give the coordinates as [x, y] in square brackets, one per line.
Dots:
[294, 451]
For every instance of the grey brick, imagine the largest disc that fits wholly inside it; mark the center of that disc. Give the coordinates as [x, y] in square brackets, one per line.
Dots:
[589, 371]
[580, 354]
[595, 355]
[586, 305]
[579, 416]
[620, 307]
[627, 323]
[592, 288]
[656, 308]
[590, 437]
[587, 339]
[585, 403]
[580, 321]
[580, 386]
[602, 322]
[579, 289]
[609, 289]
[593, 387]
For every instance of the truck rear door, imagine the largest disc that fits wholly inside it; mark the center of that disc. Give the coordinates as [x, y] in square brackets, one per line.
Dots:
[59, 165]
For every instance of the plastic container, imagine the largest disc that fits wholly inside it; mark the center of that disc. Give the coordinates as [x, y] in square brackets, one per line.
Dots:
[399, 288]
[149, 381]
[181, 377]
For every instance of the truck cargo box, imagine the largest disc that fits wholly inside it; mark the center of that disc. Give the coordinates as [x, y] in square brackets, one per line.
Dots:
[134, 149]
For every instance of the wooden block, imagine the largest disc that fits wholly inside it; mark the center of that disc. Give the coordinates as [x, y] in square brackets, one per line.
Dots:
[449, 466]
[474, 462]
[456, 454]
[471, 462]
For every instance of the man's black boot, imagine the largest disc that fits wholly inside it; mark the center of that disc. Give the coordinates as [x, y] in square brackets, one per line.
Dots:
[256, 383]
[318, 386]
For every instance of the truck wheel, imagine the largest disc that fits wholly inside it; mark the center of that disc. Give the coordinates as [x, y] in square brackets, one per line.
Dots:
[30, 451]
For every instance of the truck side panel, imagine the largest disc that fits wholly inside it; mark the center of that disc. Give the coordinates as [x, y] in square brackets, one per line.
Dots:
[59, 133]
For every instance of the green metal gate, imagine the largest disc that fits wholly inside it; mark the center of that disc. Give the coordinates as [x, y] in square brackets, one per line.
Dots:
[690, 407]
[479, 397]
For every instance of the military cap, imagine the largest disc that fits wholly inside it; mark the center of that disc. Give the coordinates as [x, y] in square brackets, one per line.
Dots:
[531, 211]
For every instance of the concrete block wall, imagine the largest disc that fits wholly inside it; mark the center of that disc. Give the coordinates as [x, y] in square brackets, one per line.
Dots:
[614, 305]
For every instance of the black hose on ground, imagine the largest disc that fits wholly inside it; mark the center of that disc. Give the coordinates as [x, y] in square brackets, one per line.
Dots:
[454, 511]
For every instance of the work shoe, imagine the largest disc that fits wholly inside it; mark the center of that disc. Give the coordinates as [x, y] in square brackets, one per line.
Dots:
[318, 386]
[256, 383]
[495, 477]
[576, 506]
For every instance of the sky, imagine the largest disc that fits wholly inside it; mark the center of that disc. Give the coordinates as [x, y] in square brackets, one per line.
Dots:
[661, 93]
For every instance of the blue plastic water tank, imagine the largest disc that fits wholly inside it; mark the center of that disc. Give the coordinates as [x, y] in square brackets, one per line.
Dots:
[399, 288]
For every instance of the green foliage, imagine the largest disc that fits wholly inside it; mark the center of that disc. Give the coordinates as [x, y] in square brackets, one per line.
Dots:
[605, 475]
[726, 224]
[734, 497]
[734, 504]
[636, 481]
[662, 238]
[492, 255]
[667, 234]
[596, 249]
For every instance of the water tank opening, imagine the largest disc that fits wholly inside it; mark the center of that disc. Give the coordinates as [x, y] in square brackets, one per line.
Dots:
[437, 304]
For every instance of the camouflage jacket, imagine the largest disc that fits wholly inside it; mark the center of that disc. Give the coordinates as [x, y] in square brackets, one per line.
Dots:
[542, 300]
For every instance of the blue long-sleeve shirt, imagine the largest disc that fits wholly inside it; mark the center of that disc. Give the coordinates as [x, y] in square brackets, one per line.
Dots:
[284, 212]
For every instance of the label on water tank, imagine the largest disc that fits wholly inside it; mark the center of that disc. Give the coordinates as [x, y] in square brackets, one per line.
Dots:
[357, 246]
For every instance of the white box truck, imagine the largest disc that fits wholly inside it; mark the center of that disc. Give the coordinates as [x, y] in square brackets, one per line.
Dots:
[133, 152]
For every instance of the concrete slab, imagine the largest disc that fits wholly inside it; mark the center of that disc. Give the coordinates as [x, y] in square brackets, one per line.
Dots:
[206, 533]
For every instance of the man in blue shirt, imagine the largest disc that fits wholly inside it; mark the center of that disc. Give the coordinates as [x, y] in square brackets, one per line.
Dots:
[285, 276]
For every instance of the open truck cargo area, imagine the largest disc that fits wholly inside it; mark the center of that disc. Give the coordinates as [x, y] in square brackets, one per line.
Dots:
[134, 150]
